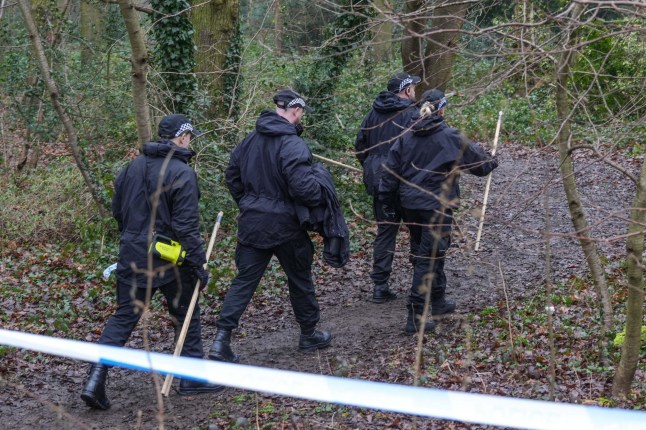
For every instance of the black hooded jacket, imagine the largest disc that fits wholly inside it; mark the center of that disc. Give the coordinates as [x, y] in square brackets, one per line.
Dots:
[327, 219]
[177, 211]
[429, 161]
[381, 128]
[269, 172]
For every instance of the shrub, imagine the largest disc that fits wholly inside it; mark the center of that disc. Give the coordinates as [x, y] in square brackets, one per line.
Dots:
[45, 206]
[527, 120]
[620, 338]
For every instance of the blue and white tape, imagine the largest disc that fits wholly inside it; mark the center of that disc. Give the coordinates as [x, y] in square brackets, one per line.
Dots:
[427, 402]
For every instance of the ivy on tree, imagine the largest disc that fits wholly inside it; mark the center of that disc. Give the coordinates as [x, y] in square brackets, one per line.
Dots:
[173, 53]
[346, 33]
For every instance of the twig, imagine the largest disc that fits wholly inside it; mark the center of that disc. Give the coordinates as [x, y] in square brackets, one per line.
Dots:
[549, 305]
[605, 160]
[504, 289]
[337, 163]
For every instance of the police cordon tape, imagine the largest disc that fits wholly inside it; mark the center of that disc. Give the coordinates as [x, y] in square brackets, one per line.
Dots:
[427, 402]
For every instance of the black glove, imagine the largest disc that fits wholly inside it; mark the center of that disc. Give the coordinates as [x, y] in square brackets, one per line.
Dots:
[202, 275]
[388, 212]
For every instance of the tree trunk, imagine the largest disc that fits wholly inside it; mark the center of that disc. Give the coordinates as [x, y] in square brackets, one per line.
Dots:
[382, 41]
[635, 302]
[216, 26]
[433, 62]
[412, 44]
[72, 139]
[139, 64]
[442, 48]
[92, 18]
[577, 214]
[278, 27]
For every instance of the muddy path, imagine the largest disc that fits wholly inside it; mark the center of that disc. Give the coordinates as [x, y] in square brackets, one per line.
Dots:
[369, 341]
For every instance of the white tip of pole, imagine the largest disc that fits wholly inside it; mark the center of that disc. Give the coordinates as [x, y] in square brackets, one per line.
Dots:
[500, 113]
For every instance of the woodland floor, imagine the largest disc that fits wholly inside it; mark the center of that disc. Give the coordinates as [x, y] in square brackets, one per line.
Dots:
[468, 352]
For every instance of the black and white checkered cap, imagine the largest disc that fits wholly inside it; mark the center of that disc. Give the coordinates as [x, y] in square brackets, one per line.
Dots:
[400, 81]
[184, 128]
[436, 97]
[175, 125]
[288, 98]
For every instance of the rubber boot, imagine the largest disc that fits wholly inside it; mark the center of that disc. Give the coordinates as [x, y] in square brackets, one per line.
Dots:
[221, 348]
[413, 320]
[382, 294]
[94, 391]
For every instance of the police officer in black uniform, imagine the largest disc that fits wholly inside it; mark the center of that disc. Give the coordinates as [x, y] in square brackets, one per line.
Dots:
[386, 122]
[269, 173]
[159, 176]
[422, 170]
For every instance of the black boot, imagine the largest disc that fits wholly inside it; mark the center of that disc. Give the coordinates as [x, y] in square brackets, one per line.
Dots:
[316, 340]
[382, 294]
[413, 320]
[221, 348]
[94, 391]
[442, 306]
[188, 387]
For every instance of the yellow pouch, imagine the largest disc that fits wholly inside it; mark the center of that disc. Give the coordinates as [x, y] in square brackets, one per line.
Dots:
[167, 249]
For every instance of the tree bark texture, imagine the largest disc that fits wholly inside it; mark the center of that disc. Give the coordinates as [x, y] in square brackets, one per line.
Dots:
[54, 94]
[216, 24]
[431, 55]
[577, 214]
[278, 27]
[139, 64]
[382, 41]
[412, 52]
[635, 302]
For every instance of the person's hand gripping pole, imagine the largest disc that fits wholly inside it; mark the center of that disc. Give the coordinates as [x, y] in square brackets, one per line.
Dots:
[187, 320]
[486, 194]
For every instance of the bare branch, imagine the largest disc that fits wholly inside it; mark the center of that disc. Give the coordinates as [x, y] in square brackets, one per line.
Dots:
[605, 159]
[54, 94]
[138, 8]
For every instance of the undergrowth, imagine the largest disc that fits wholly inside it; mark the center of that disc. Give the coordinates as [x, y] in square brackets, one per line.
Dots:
[495, 351]
[504, 351]
[48, 205]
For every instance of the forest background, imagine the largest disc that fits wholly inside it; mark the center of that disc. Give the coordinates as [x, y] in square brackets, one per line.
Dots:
[84, 83]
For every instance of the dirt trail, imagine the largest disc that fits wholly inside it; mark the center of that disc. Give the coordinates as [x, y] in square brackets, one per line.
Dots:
[366, 334]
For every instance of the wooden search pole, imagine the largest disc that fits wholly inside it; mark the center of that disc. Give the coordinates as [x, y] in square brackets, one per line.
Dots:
[189, 314]
[337, 163]
[486, 194]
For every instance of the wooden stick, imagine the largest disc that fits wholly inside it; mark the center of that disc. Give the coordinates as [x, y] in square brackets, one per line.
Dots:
[337, 163]
[486, 194]
[189, 314]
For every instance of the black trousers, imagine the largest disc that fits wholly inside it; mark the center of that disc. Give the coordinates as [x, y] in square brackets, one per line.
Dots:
[120, 325]
[384, 244]
[295, 258]
[431, 232]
